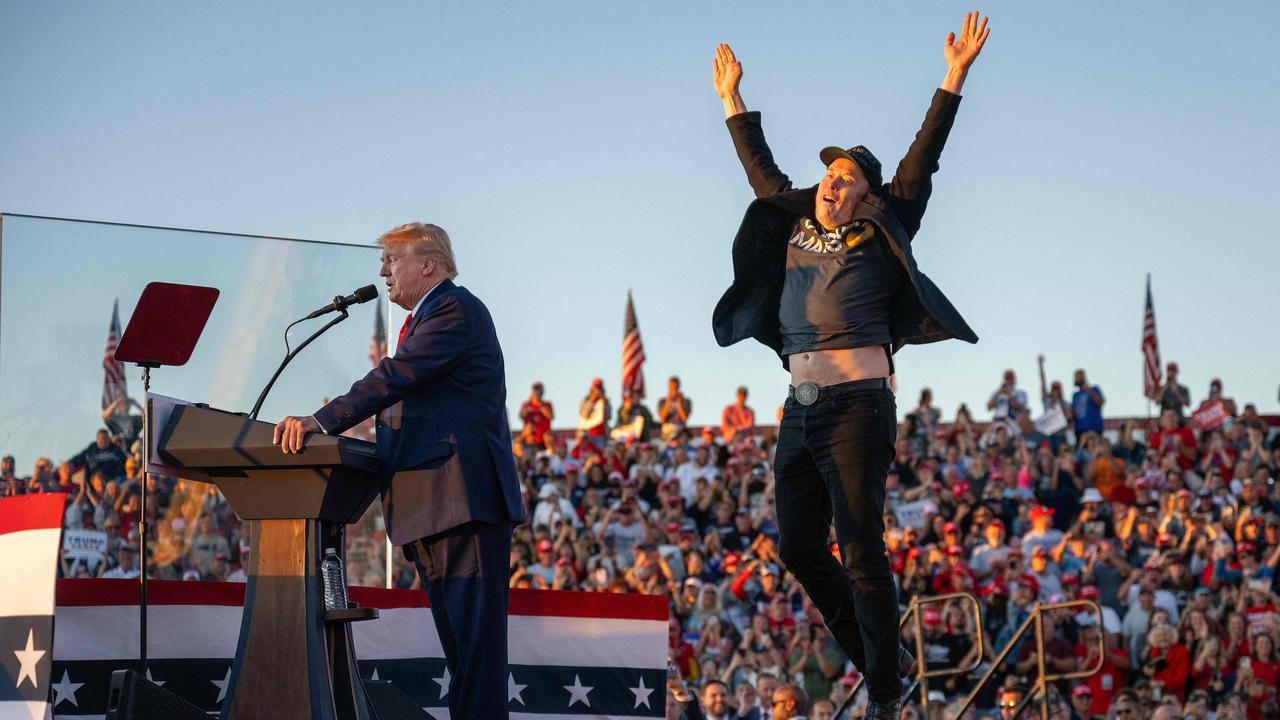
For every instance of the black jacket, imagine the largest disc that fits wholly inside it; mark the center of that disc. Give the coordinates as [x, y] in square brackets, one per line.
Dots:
[919, 312]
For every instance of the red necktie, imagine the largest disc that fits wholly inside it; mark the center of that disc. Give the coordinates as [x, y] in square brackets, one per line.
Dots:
[405, 328]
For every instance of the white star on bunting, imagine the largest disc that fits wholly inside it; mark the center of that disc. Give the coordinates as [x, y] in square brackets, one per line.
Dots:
[222, 685]
[443, 681]
[514, 689]
[642, 693]
[159, 683]
[577, 692]
[375, 675]
[27, 660]
[66, 690]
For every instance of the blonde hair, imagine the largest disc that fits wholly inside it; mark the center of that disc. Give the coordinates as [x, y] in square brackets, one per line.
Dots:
[429, 241]
[1162, 636]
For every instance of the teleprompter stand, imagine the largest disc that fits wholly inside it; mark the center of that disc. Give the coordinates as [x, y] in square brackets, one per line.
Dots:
[294, 658]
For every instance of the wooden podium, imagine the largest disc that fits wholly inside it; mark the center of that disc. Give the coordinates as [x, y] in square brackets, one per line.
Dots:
[294, 659]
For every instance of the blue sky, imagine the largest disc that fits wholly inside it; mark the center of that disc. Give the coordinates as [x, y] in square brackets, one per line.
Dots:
[575, 150]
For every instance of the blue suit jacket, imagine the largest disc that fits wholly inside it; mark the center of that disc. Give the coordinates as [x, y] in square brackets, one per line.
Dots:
[442, 427]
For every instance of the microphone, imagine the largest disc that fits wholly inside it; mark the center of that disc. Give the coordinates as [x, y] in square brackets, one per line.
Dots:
[363, 295]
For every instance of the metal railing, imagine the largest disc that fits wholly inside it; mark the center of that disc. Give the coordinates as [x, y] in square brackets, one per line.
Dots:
[913, 614]
[1040, 690]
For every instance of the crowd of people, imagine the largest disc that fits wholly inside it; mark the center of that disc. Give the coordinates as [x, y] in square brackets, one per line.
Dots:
[1172, 529]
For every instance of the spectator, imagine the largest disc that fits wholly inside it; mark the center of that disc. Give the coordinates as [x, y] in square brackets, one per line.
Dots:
[737, 418]
[1054, 404]
[127, 425]
[1170, 395]
[536, 414]
[789, 703]
[125, 567]
[922, 422]
[593, 414]
[1007, 403]
[634, 421]
[1174, 441]
[1082, 702]
[552, 507]
[1086, 407]
[1167, 664]
[715, 701]
[102, 457]
[674, 410]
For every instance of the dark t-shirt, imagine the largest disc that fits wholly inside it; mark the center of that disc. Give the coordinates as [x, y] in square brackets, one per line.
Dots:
[945, 651]
[109, 461]
[837, 289]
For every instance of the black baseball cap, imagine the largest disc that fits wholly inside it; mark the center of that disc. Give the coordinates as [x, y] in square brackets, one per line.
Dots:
[860, 156]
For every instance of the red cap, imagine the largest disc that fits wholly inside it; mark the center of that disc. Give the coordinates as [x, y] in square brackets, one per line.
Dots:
[1089, 592]
[1080, 691]
[961, 487]
[1055, 385]
[931, 616]
[545, 546]
[1245, 548]
[1183, 493]
[1172, 366]
[996, 522]
[1008, 374]
[955, 551]
[1040, 551]
[1040, 511]
[995, 587]
[731, 559]
[1016, 553]
[914, 553]
[1141, 483]
[597, 383]
[1070, 579]
[563, 561]
[951, 527]
[1031, 583]
[673, 526]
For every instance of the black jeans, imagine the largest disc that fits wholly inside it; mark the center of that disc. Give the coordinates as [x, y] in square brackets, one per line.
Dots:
[831, 462]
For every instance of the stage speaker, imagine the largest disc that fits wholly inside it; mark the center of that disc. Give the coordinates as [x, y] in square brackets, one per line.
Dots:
[389, 703]
[133, 697]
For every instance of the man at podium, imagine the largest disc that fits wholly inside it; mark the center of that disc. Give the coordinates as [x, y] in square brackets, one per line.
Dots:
[450, 491]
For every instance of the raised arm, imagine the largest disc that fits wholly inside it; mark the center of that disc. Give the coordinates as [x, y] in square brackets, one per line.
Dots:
[912, 182]
[744, 127]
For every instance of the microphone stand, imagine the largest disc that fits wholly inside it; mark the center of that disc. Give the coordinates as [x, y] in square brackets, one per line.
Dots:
[342, 315]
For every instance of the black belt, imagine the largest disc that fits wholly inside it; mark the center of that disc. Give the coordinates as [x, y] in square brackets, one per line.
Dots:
[806, 393]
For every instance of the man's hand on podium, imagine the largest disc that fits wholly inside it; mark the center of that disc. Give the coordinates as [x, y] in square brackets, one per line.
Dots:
[292, 431]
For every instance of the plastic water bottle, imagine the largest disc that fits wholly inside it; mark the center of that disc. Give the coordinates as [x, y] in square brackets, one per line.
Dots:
[335, 581]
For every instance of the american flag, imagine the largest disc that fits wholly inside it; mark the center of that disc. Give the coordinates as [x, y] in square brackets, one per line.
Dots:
[113, 380]
[632, 353]
[378, 347]
[30, 536]
[1150, 348]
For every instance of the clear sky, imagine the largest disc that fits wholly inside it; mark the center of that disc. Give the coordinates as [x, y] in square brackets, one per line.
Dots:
[576, 149]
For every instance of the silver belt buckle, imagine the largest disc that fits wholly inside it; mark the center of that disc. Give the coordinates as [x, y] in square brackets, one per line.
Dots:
[807, 392]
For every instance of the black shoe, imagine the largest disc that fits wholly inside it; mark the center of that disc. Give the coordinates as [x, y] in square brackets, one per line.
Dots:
[906, 662]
